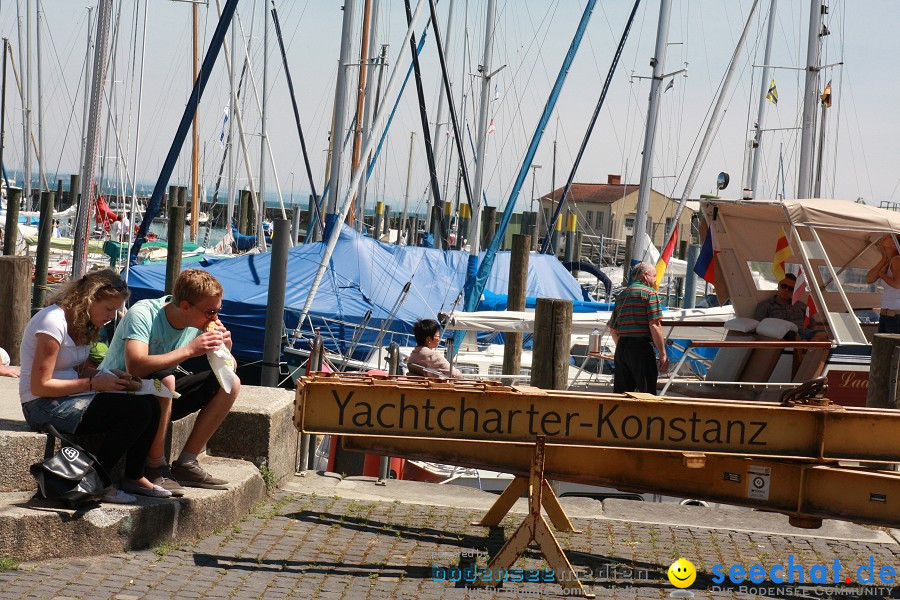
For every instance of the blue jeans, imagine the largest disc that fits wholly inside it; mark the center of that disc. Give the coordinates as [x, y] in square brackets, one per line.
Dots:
[888, 324]
[63, 413]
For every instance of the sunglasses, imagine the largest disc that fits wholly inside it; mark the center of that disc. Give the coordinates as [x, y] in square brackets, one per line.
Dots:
[117, 284]
[209, 314]
[787, 287]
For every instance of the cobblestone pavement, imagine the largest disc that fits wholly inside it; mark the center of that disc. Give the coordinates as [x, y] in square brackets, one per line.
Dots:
[308, 546]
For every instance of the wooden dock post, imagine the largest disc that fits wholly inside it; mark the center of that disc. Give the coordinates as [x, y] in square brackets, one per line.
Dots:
[552, 343]
[462, 229]
[175, 241]
[883, 387]
[42, 257]
[379, 220]
[74, 187]
[15, 295]
[488, 225]
[11, 231]
[518, 280]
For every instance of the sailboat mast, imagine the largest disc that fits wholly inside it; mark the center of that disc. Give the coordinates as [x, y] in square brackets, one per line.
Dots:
[87, 103]
[440, 124]
[262, 131]
[658, 62]
[370, 99]
[129, 235]
[229, 146]
[340, 110]
[358, 210]
[817, 188]
[756, 144]
[715, 118]
[195, 145]
[409, 166]
[27, 75]
[86, 206]
[3, 113]
[484, 103]
[817, 10]
[40, 98]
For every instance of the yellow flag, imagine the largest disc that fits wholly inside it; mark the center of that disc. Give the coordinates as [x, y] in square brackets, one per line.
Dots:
[772, 95]
[782, 253]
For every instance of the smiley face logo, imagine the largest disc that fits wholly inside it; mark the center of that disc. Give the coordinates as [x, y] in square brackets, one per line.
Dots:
[682, 573]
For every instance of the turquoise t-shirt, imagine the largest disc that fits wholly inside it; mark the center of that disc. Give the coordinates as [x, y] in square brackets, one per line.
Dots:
[146, 322]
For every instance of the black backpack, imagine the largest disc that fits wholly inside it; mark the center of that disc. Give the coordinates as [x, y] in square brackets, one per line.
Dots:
[71, 475]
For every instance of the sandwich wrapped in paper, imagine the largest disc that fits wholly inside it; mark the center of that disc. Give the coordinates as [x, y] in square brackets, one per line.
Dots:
[222, 364]
[136, 385]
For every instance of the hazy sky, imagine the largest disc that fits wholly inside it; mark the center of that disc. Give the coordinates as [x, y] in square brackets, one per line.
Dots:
[531, 39]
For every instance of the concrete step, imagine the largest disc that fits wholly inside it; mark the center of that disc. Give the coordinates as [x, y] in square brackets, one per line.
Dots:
[32, 528]
[259, 429]
[258, 432]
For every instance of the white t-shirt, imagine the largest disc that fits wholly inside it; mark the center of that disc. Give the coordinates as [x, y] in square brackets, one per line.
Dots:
[115, 231]
[51, 321]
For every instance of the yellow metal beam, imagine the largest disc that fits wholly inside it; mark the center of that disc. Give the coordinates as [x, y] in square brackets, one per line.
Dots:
[382, 406]
[805, 492]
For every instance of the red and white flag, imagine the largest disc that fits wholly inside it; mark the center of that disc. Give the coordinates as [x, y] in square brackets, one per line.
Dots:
[491, 128]
[801, 288]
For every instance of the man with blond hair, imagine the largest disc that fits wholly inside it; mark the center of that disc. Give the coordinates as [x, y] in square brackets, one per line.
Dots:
[153, 339]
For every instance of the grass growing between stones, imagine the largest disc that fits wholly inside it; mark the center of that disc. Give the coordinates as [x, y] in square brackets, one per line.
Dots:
[8, 564]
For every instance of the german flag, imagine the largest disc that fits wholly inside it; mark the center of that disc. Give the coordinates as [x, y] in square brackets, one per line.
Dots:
[664, 258]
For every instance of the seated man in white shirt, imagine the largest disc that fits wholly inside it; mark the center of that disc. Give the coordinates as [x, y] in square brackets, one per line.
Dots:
[428, 336]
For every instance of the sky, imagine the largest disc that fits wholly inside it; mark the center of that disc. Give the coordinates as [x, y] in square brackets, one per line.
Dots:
[531, 39]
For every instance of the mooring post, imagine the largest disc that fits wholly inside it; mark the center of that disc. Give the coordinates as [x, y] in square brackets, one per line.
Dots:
[384, 466]
[271, 362]
[11, 234]
[308, 442]
[552, 343]
[488, 225]
[176, 239]
[15, 295]
[74, 187]
[518, 280]
[42, 257]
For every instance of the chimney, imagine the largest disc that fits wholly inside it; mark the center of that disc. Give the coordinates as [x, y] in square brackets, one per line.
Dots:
[614, 179]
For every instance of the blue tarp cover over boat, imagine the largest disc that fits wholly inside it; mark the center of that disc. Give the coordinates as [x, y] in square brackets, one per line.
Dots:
[363, 275]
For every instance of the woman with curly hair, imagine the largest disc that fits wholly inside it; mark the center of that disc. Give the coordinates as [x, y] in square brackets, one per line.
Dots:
[56, 386]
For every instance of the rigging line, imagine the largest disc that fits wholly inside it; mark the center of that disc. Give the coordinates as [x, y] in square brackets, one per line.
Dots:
[445, 76]
[706, 116]
[862, 146]
[837, 124]
[181, 133]
[290, 84]
[518, 112]
[426, 129]
[70, 101]
[615, 131]
[587, 136]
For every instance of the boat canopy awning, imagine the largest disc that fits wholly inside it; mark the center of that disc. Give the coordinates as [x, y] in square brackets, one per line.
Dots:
[834, 242]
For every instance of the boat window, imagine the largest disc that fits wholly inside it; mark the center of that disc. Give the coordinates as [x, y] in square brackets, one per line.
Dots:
[762, 274]
[853, 280]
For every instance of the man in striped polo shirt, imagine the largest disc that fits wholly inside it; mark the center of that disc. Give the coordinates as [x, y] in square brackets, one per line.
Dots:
[636, 327]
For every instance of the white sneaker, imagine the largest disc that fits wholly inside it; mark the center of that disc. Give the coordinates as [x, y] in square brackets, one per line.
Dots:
[117, 496]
